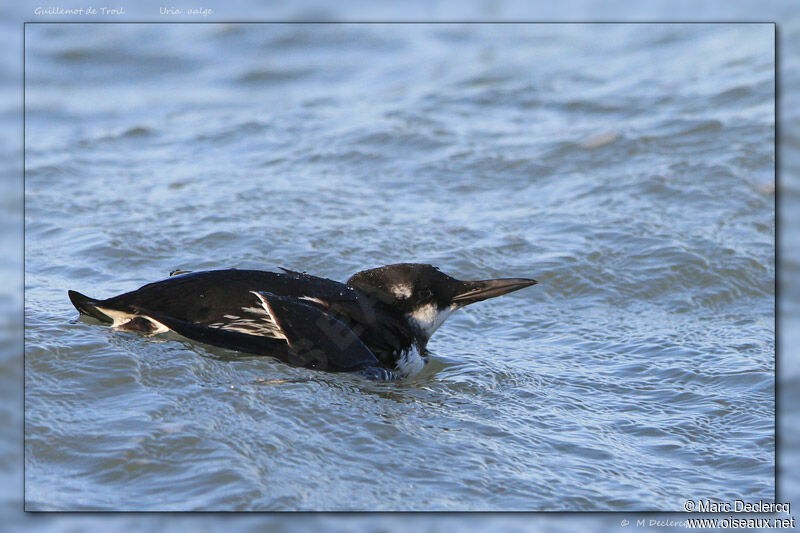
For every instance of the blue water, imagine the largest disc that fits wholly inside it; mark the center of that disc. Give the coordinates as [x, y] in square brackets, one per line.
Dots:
[628, 168]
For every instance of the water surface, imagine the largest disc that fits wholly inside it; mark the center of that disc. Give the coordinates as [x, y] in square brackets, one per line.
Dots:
[628, 168]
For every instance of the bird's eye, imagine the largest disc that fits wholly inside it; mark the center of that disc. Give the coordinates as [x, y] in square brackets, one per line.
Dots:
[425, 294]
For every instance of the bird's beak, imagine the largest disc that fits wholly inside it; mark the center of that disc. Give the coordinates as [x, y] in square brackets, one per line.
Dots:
[475, 291]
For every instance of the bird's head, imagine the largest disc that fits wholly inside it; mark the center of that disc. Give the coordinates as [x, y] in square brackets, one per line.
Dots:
[425, 295]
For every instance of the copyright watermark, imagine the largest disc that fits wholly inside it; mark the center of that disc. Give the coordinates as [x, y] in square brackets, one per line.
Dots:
[654, 522]
[732, 521]
[738, 506]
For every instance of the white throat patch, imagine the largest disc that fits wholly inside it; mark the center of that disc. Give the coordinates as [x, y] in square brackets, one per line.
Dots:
[428, 318]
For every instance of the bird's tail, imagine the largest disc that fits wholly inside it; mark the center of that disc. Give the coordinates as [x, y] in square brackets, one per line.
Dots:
[88, 306]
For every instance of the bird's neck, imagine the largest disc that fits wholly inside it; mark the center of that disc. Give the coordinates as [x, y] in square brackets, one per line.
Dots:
[425, 320]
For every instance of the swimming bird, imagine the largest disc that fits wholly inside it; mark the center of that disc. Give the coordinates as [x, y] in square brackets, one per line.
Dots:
[377, 324]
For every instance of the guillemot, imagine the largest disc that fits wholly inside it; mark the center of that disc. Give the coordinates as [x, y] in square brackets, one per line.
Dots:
[378, 323]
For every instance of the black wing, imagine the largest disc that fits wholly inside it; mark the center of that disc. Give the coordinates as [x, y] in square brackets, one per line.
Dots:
[304, 336]
[317, 338]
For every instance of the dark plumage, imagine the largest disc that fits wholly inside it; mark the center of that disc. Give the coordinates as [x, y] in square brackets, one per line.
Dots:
[378, 323]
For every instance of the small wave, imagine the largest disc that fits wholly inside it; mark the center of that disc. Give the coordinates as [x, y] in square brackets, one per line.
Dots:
[487, 79]
[139, 132]
[247, 128]
[591, 106]
[599, 139]
[680, 128]
[51, 170]
[399, 140]
[273, 76]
